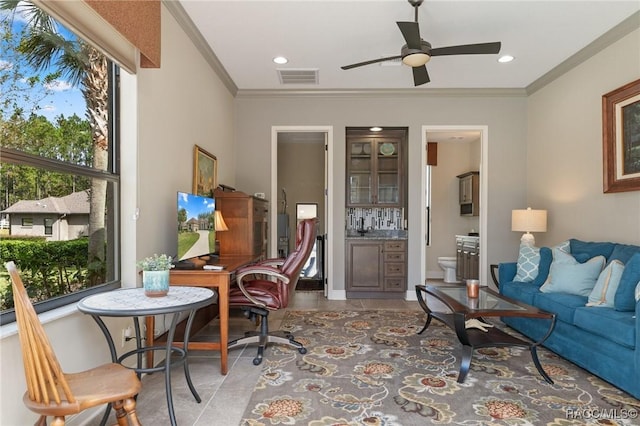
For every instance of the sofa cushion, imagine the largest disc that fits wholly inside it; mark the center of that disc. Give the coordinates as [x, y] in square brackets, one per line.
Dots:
[561, 304]
[528, 260]
[569, 276]
[587, 249]
[624, 252]
[604, 292]
[546, 257]
[523, 292]
[625, 298]
[602, 322]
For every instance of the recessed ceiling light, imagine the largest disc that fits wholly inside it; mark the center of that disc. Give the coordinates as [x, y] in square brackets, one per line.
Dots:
[280, 60]
[505, 58]
[375, 129]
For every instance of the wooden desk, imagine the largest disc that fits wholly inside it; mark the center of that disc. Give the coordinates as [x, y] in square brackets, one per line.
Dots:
[219, 280]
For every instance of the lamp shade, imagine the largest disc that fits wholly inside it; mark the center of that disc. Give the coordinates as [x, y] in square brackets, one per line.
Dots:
[529, 220]
[218, 221]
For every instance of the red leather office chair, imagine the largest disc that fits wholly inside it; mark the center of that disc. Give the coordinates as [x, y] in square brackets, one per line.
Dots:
[267, 286]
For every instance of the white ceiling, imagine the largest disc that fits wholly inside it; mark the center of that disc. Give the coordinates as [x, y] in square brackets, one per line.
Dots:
[326, 34]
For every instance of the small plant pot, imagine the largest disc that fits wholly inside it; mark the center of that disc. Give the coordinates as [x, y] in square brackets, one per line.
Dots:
[155, 283]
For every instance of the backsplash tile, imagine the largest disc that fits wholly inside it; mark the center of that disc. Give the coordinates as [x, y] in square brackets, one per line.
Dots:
[375, 218]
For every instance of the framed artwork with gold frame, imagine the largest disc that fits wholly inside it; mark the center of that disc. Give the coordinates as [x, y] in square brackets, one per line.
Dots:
[205, 172]
[621, 138]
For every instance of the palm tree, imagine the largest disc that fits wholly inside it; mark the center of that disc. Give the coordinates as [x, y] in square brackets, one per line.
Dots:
[86, 67]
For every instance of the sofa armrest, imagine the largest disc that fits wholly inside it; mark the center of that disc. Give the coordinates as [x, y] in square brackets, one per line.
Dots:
[637, 323]
[506, 272]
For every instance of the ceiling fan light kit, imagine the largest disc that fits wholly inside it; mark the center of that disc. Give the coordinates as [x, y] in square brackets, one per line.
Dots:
[417, 52]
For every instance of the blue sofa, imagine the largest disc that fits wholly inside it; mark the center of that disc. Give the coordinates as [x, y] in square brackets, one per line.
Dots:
[602, 340]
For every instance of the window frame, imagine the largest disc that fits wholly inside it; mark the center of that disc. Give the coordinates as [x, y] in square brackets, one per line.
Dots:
[111, 175]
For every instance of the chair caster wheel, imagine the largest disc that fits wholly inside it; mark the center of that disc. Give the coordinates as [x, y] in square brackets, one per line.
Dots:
[257, 361]
[302, 350]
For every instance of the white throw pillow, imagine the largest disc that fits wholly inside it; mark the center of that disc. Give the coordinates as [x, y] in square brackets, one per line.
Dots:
[604, 292]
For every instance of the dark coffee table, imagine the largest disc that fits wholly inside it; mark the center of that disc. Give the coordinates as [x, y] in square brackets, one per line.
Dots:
[489, 304]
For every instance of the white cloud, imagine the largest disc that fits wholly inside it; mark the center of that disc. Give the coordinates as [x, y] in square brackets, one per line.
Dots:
[58, 86]
[5, 65]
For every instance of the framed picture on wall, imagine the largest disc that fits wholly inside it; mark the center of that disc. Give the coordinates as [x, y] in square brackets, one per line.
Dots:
[621, 138]
[205, 172]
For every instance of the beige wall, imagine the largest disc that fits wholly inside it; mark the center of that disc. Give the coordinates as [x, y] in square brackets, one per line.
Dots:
[454, 158]
[504, 115]
[301, 172]
[179, 105]
[564, 151]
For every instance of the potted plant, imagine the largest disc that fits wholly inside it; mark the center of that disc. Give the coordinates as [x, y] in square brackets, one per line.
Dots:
[155, 274]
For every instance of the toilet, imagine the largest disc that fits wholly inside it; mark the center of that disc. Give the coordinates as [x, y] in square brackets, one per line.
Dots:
[448, 265]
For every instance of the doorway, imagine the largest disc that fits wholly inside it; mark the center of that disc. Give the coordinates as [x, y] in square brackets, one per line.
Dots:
[299, 176]
[460, 149]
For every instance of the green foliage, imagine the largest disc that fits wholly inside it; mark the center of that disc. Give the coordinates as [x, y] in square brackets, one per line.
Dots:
[157, 262]
[48, 268]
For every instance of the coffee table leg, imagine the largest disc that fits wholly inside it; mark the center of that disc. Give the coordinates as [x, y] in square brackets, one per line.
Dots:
[536, 361]
[465, 363]
[534, 350]
[423, 304]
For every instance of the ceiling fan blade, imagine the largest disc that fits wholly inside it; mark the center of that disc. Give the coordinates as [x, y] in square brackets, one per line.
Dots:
[420, 75]
[373, 61]
[411, 33]
[468, 49]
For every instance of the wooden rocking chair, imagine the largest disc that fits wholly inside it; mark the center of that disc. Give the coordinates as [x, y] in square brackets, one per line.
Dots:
[50, 391]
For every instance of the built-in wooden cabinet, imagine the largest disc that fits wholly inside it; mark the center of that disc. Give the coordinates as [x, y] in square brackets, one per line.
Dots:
[375, 168]
[376, 268]
[247, 219]
[469, 193]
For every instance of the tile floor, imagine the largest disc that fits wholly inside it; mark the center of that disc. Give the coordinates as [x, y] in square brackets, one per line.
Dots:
[224, 398]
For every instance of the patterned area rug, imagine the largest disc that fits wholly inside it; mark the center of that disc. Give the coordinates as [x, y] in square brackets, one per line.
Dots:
[372, 368]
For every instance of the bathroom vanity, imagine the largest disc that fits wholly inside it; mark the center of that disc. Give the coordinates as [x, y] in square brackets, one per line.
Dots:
[467, 257]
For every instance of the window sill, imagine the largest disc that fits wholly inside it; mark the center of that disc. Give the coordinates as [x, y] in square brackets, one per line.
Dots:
[45, 317]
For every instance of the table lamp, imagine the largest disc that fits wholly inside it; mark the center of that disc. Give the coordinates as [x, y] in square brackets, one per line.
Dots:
[218, 225]
[528, 221]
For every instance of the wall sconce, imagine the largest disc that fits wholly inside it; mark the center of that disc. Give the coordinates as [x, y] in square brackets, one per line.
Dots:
[218, 225]
[528, 221]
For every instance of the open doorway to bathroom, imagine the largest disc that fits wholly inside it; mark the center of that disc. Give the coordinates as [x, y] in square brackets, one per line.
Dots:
[460, 151]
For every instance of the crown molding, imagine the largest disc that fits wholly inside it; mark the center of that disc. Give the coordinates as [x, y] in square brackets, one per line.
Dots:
[624, 28]
[201, 44]
[378, 93]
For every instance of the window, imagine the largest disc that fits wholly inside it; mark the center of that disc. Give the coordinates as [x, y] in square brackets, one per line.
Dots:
[59, 160]
[48, 226]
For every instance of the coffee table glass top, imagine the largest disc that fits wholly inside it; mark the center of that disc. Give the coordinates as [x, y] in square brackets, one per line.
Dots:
[486, 301]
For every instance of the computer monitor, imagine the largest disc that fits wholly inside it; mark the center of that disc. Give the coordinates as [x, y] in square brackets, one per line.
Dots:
[196, 231]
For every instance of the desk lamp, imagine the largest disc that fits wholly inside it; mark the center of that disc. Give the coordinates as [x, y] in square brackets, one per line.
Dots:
[528, 221]
[218, 225]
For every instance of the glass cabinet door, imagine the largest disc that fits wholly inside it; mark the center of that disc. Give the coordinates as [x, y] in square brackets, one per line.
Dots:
[359, 173]
[388, 172]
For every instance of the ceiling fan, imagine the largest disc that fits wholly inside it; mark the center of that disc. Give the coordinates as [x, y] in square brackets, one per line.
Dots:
[417, 52]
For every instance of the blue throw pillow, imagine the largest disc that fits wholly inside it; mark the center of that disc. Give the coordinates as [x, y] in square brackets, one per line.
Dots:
[528, 260]
[588, 249]
[569, 276]
[603, 294]
[624, 252]
[546, 257]
[625, 298]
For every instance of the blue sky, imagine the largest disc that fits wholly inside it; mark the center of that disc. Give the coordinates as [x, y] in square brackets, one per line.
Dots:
[61, 98]
[195, 204]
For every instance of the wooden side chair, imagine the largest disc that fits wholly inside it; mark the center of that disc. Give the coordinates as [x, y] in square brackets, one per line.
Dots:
[50, 391]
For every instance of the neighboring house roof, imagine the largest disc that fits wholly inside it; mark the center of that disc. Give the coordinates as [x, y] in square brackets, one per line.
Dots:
[76, 203]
